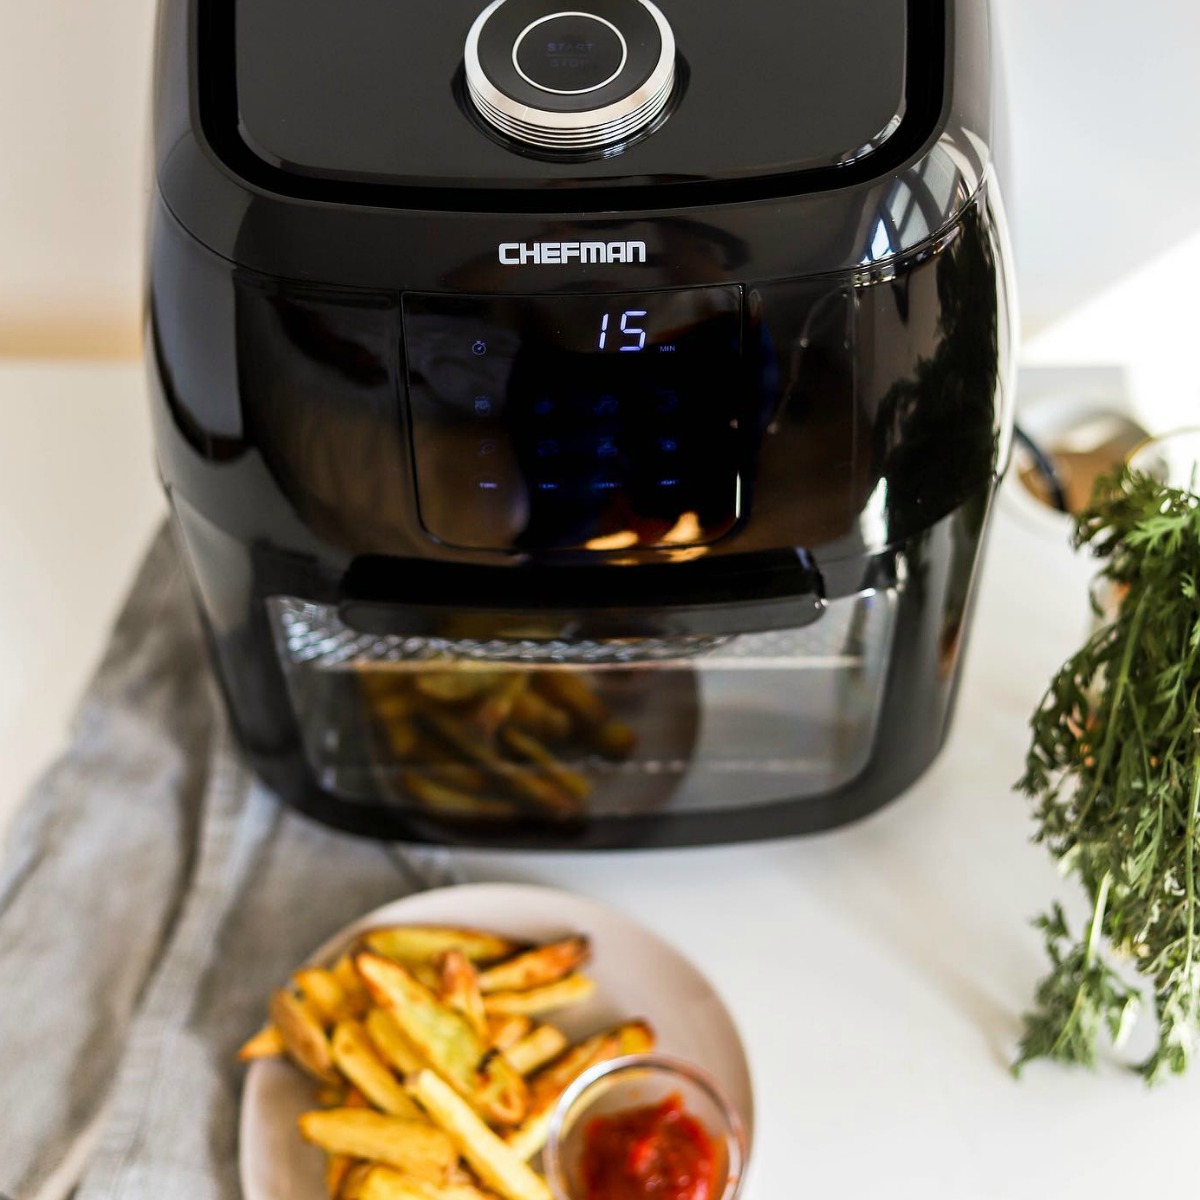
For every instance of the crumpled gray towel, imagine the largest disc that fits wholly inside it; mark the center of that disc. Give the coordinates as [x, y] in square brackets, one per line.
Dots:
[151, 896]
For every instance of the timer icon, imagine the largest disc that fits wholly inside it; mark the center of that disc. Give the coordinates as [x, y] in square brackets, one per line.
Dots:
[479, 349]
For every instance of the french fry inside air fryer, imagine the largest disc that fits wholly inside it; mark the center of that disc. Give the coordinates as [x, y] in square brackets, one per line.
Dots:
[477, 743]
[434, 1059]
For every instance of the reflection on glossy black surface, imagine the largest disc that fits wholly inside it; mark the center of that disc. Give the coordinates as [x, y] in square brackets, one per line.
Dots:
[577, 422]
[934, 430]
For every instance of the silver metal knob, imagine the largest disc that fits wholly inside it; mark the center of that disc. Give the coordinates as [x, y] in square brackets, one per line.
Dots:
[570, 79]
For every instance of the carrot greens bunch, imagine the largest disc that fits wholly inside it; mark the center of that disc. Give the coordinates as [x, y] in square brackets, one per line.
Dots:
[1114, 773]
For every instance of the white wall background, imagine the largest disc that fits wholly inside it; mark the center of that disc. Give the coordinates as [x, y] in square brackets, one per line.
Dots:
[1106, 128]
[74, 88]
[1105, 102]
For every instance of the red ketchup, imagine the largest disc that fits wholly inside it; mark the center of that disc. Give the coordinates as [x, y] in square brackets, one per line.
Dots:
[659, 1151]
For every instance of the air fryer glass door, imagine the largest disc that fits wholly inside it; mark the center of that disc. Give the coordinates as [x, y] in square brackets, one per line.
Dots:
[563, 732]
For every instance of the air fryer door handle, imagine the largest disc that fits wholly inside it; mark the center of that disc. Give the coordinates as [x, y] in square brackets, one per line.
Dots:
[751, 594]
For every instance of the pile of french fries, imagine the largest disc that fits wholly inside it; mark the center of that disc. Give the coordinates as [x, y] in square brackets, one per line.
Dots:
[485, 743]
[435, 1072]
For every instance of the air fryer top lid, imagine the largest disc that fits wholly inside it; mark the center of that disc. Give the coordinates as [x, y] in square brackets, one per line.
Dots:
[373, 91]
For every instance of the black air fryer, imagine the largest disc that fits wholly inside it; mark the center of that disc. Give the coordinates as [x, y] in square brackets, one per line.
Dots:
[581, 425]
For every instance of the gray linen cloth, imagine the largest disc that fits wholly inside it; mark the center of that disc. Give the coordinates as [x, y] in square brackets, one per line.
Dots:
[151, 896]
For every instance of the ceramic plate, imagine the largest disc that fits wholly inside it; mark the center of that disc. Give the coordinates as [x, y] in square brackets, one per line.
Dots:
[636, 972]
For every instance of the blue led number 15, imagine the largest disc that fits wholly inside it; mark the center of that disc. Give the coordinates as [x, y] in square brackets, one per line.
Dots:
[627, 330]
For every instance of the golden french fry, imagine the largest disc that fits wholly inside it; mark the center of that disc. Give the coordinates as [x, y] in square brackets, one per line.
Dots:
[549, 1083]
[573, 782]
[303, 1036]
[457, 686]
[412, 1146]
[451, 801]
[324, 993]
[535, 714]
[266, 1043]
[495, 1164]
[507, 1031]
[437, 761]
[330, 1095]
[385, 1183]
[572, 990]
[396, 706]
[357, 997]
[536, 968]
[529, 1138]
[519, 781]
[354, 1177]
[337, 1167]
[596, 725]
[636, 1037]
[392, 1043]
[499, 1090]
[544, 1044]
[569, 690]
[460, 989]
[427, 751]
[427, 975]
[614, 739]
[355, 1056]
[383, 683]
[410, 944]
[403, 738]
[445, 1038]
[545, 1088]
[463, 777]
[497, 706]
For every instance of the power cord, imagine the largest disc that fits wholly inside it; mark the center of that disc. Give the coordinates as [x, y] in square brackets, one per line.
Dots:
[1043, 464]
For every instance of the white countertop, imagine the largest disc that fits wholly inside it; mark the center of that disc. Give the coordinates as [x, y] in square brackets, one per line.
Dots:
[877, 973]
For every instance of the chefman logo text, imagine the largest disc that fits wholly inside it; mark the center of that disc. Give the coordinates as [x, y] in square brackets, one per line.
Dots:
[560, 254]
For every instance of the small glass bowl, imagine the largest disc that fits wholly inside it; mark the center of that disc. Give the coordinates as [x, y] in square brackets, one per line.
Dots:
[1171, 458]
[636, 1082]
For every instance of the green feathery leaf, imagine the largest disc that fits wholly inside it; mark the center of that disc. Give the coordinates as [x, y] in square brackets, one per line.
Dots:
[1114, 773]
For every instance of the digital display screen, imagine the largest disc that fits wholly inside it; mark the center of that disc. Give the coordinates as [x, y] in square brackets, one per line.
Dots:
[600, 422]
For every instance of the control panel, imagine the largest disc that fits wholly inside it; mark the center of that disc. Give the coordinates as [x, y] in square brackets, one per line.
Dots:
[587, 422]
